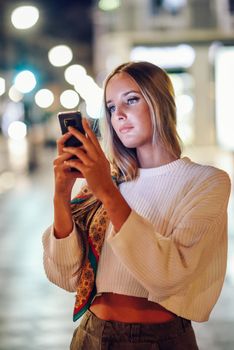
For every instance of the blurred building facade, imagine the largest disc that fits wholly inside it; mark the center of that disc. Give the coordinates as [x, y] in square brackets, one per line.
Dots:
[187, 38]
[192, 39]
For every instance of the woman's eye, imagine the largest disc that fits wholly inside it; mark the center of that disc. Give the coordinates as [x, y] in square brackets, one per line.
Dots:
[111, 109]
[132, 100]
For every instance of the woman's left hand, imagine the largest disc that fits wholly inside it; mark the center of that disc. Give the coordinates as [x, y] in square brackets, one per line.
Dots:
[91, 162]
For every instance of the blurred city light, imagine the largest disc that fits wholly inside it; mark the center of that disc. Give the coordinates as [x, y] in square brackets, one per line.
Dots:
[25, 81]
[180, 56]
[60, 55]
[183, 84]
[12, 112]
[174, 5]
[224, 75]
[17, 130]
[185, 131]
[69, 99]
[2, 86]
[24, 17]
[94, 108]
[108, 5]
[74, 73]
[14, 94]
[18, 154]
[44, 98]
[184, 104]
[94, 103]
[91, 93]
[86, 87]
[177, 83]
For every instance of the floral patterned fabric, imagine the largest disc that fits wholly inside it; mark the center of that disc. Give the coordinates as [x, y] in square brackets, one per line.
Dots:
[86, 289]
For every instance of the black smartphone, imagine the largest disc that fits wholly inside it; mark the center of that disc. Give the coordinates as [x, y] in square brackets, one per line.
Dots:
[72, 118]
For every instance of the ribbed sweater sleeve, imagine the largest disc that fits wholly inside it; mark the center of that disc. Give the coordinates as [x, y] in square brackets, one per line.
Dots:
[166, 263]
[62, 258]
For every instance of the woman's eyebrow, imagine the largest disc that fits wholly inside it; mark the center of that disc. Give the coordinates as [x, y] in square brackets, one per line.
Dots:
[125, 94]
[129, 92]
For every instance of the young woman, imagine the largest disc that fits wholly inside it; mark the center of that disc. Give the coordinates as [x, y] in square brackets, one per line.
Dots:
[158, 221]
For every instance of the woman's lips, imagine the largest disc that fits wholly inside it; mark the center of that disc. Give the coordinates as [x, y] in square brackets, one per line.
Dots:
[125, 128]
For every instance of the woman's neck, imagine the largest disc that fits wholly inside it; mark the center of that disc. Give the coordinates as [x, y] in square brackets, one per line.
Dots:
[153, 156]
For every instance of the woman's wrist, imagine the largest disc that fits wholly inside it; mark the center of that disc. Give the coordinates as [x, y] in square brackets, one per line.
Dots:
[108, 195]
[63, 223]
[117, 208]
[62, 232]
[64, 198]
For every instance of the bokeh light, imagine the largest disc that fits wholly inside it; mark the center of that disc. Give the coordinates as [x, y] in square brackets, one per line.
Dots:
[69, 99]
[92, 94]
[17, 130]
[24, 17]
[94, 103]
[94, 108]
[86, 86]
[177, 83]
[224, 73]
[73, 73]
[2, 86]
[60, 55]
[25, 81]
[178, 56]
[44, 98]
[108, 5]
[14, 94]
[184, 104]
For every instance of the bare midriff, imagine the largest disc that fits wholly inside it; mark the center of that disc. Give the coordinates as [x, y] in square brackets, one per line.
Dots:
[124, 308]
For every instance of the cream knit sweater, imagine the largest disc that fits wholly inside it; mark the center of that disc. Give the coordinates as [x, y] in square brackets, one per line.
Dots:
[172, 249]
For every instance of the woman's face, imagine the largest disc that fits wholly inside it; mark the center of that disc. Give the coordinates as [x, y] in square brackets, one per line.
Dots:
[129, 111]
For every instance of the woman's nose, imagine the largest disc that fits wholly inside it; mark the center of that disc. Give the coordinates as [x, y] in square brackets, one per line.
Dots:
[120, 113]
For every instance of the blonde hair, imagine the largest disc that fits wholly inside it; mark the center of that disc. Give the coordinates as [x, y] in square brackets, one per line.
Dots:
[157, 89]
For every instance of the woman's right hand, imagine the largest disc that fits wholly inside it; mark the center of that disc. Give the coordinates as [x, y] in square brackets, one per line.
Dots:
[64, 177]
[64, 181]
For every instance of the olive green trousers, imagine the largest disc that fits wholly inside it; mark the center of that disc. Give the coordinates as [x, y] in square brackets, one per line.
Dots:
[94, 334]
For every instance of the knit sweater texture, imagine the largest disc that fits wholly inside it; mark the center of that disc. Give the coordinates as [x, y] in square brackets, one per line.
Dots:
[172, 249]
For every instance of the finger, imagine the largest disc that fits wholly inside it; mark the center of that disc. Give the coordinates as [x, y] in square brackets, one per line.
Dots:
[84, 138]
[72, 172]
[88, 144]
[61, 158]
[90, 133]
[75, 164]
[80, 136]
[61, 141]
[65, 170]
[60, 168]
[81, 154]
